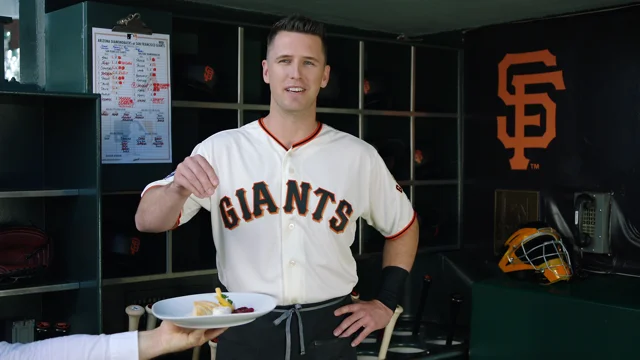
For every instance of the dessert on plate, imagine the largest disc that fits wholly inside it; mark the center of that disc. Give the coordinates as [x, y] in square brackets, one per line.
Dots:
[223, 306]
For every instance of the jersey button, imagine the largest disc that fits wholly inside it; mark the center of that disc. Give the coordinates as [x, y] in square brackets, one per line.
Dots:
[292, 263]
[291, 226]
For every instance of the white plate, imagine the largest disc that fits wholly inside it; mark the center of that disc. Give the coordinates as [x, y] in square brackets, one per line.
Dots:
[179, 310]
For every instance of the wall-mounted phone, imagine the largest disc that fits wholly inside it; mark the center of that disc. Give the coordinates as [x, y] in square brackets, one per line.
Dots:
[592, 222]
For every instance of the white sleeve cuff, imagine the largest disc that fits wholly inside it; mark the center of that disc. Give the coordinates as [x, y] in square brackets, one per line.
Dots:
[124, 346]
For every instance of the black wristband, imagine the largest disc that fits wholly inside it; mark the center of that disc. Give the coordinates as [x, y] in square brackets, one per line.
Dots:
[393, 278]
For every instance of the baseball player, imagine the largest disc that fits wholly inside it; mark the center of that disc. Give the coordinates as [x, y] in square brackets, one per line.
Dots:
[285, 193]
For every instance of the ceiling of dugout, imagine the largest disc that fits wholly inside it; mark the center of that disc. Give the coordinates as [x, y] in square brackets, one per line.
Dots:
[418, 17]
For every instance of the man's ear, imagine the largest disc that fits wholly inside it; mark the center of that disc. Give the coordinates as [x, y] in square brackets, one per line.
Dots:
[325, 76]
[265, 71]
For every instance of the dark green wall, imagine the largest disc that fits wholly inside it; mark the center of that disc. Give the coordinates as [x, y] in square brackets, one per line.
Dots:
[595, 146]
[595, 149]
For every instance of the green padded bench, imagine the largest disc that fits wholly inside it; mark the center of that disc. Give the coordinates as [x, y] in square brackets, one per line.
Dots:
[593, 318]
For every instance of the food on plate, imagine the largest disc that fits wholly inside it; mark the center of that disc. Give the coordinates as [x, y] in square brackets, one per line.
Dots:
[204, 308]
[224, 299]
[224, 306]
[243, 309]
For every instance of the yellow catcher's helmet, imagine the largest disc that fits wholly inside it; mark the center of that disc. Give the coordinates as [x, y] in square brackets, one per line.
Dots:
[538, 252]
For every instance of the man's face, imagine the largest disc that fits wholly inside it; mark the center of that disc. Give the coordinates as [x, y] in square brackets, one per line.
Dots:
[295, 70]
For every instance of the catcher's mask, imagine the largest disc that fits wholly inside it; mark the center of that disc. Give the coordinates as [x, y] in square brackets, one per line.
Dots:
[536, 253]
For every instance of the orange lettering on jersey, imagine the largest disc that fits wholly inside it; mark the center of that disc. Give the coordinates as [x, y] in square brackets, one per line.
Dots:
[322, 203]
[343, 213]
[241, 194]
[299, 194]
[229, 216]
[262, 197]
[297, 197]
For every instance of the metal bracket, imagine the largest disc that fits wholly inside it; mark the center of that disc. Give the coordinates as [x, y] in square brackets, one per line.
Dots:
[132, 25]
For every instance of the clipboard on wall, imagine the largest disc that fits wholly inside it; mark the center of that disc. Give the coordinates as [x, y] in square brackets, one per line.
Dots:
[131, 72]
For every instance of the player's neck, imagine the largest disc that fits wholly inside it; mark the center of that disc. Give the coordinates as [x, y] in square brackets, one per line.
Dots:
[291, 128]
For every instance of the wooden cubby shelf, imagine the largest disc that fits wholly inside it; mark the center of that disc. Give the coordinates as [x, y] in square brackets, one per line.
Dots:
[38, 289]
[7, 194]
[50, 179]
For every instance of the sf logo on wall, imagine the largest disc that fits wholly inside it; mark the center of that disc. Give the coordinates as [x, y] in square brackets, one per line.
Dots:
[520, 98]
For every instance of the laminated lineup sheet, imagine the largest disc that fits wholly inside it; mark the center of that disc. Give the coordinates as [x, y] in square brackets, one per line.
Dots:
[131, 72]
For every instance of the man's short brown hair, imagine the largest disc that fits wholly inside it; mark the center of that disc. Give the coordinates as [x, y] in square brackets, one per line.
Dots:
[300, 24]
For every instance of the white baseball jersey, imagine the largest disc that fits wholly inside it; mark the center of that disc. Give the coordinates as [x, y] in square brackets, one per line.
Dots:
[284, 219]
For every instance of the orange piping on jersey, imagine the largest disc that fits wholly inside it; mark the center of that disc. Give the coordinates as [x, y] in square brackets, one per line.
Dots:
[151, 187]
[177, 224]
[179, 216]
[398, 234]
[310, 137]
[299, 143]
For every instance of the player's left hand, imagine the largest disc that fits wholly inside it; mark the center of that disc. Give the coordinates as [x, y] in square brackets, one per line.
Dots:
[370, 315]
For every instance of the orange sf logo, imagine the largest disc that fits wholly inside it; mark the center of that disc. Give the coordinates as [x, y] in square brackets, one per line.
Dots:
[520, 98]
[208, 73]
[135, 246]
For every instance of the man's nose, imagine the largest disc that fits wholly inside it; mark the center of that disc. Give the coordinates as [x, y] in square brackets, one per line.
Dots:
[295, 70]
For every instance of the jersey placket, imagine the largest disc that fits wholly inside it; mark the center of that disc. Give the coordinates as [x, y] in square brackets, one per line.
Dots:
[292, 237]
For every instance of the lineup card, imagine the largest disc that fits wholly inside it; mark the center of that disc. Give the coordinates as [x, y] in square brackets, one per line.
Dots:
[131, 72]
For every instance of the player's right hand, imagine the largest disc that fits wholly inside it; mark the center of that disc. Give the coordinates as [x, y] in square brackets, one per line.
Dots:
[195, 176]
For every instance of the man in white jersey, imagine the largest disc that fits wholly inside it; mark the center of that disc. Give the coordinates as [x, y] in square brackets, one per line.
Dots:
[285, 193]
